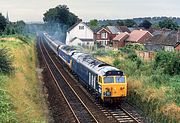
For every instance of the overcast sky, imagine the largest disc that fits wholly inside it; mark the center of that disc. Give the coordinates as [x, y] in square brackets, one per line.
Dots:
[32, 10]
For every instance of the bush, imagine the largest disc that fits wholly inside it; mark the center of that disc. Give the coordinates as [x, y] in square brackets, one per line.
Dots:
[25, 39]
[116, 62]
[129, 48]
[5, 62]
[6, 113]
[103, 52]
[169, 61]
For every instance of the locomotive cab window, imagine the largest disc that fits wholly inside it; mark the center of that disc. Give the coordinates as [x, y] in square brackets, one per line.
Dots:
[120, 79]
[108, 80]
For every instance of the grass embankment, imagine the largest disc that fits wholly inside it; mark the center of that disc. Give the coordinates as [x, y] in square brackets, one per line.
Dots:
[21, 98]
[153, 86]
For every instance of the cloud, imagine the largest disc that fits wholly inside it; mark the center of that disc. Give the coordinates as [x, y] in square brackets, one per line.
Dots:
[32, 10]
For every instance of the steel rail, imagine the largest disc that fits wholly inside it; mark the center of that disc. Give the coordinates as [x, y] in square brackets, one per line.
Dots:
[56, 82]
[69, 85]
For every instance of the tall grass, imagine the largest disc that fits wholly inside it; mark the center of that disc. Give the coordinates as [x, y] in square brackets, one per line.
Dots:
[23, 94]
[153, 86]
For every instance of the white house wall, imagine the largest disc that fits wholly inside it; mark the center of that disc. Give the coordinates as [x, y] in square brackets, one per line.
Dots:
[85, 33]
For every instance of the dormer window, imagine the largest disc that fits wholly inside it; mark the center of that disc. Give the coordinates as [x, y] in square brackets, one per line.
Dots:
[81, 27]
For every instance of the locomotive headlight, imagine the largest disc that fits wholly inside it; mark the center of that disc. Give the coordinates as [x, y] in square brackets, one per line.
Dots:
[107, 92]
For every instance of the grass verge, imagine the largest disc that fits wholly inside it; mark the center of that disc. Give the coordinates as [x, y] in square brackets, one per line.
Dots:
[22, 88]
[150, 88]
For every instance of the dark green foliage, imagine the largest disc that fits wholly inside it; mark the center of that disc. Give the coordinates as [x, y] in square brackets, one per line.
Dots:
[120, 23]
[129, 23]
[93, 23]
[60, 14]
[146, 24]
[5, 62]
[15, 28]
[168, 61]
[6, 113]
[131, 47]
[116, 62]
[3, 23]
[24, 39]
[169, 24]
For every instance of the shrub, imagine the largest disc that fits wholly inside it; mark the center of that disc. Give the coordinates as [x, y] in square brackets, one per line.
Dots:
[24, 39]
[131, 47]
[116, 62]
[5, 61]
[169, 61]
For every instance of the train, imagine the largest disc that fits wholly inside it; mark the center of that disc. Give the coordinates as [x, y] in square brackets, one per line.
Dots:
[108, 82]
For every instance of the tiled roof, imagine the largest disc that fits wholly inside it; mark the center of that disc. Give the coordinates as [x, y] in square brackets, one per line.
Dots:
[121, 36]
[113, 29]
[136, 35]
[123, 29]
[170, 39]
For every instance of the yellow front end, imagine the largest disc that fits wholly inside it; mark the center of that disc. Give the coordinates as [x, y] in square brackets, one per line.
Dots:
[113, 87]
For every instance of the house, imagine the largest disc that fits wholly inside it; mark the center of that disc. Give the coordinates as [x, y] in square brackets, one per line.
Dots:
[106, 34]
[80, 34]
[138, 36]
[119, 40]
[165, 41]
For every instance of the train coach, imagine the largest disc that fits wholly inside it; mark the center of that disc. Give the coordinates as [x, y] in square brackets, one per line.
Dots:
[108, 82]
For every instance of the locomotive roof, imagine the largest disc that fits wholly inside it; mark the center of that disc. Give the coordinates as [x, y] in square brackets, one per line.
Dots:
[93, 64]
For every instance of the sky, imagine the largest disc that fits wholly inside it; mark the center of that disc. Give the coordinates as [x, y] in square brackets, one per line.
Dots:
[33, 10]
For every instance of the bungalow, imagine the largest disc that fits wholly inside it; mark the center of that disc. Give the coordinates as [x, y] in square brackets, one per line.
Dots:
[80, 34]
[119, 40]
[108, 33]
[164, 41]
[138, 36]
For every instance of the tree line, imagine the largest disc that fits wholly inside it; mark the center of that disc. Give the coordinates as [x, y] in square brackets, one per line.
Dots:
[166, 23]
[10, 28]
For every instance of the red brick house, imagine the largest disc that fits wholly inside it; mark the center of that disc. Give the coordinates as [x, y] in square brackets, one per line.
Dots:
[103, 36]
[138, 36]
[106, 34]
[119, 40]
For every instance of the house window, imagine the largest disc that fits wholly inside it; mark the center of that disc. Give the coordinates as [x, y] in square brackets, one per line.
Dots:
[81, 27]
[103, 35]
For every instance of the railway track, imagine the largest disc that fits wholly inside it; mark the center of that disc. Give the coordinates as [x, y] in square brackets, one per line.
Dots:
[114, 114]
[79, 110]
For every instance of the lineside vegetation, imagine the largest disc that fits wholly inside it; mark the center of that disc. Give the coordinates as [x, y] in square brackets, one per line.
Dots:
[153, 86]
[21, 98]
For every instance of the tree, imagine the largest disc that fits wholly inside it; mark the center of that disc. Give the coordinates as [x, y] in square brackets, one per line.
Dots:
[169, 24]
[120, 23]
[15, 28]
[93, 23]
[3, 23]
[129, 23]
[60, 14]
[146, 24]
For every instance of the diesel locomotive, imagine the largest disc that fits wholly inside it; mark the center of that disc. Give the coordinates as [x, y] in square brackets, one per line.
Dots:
[108, 82]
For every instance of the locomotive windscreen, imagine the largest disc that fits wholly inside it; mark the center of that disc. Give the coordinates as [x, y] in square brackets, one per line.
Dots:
[114, 73]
